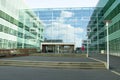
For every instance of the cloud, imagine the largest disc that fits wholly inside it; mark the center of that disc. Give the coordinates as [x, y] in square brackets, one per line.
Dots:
[65, 32]
[60, 29]
[66, 14]
[63, 15]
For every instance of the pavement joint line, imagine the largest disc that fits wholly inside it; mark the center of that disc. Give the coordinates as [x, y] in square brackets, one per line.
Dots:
[97, 60]
[45, 61]
[58, 67]
[29, 61]
[115, 72]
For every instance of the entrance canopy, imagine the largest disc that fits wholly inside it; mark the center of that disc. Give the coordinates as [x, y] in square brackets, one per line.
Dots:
[57, 47]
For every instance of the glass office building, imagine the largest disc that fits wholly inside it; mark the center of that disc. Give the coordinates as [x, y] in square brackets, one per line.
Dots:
[66, 24]
[106, 10]
[19, 28]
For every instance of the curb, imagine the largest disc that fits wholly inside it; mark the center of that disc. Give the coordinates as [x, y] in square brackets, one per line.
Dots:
[115, 72]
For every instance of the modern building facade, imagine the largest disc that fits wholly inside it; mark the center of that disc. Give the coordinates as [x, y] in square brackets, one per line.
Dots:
[19, 28]
[109, 10]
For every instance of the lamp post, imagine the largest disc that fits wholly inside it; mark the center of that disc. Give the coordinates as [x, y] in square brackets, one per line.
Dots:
[107, 24]
[88, 41]
[87, 47]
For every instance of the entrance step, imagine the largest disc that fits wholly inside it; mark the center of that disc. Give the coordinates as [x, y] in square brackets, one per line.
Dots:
[58, 55]
[53, 64]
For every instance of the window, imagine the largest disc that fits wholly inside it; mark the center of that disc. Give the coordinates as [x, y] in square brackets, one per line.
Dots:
[15, 22]
[41, 30]
[119, 24]
[0, 13]
[6, 29]
[1, 28]
[11, 19]
[38, 35]
[41, 37]
[0, 43]
[109, 30]
[115, 27]
[20, 34]
[119, 44]
[19, 45]
[26, 28]
[20, 25]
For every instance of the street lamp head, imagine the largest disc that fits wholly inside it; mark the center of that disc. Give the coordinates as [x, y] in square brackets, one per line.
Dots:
[107, 22]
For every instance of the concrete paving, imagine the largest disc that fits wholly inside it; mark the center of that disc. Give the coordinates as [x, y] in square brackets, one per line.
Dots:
[28, 73]
[57, 59]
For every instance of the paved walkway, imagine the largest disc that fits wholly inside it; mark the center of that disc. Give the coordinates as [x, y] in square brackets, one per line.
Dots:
[114, 61]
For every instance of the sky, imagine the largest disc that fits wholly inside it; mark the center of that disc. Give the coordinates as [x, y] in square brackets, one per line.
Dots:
[60, 3]
[62, 21]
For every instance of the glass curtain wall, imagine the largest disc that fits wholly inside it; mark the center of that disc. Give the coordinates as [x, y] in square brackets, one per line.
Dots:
[66, 24]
